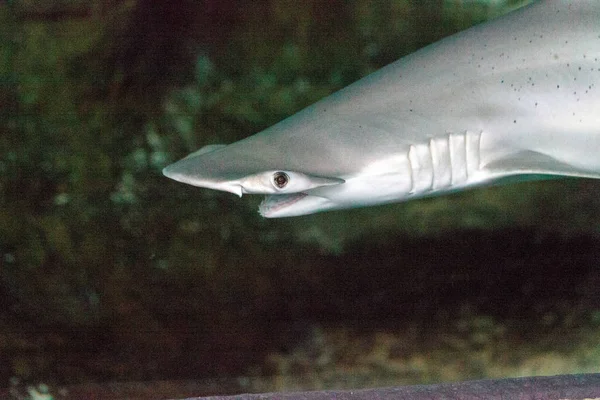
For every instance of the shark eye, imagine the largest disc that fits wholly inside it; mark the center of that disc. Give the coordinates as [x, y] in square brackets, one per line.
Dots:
[280, 179]
[280, 182]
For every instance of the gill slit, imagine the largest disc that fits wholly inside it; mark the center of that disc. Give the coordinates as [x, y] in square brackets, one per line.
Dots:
[444, 161]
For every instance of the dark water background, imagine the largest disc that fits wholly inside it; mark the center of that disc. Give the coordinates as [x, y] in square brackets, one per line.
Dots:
[111, 272]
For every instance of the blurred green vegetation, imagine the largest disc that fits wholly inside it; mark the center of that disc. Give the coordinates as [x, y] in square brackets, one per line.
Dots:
[97, 97]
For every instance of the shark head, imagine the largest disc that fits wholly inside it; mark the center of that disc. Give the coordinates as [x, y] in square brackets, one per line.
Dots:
[288, 193]
[297, 164]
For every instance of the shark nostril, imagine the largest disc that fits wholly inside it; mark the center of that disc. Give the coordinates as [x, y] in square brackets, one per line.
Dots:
[281, 179]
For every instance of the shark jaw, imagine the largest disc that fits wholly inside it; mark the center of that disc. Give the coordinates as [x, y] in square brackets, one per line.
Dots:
[289, 205]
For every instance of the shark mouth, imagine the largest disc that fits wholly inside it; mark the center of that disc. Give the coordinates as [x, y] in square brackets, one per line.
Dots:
[272, 204]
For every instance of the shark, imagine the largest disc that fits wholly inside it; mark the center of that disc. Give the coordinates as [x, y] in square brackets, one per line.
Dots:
[514, 98]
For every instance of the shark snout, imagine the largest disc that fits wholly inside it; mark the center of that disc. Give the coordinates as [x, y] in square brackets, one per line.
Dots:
[175, 172]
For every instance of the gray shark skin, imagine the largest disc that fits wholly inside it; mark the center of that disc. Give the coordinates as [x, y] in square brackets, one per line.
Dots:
[518, 96]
